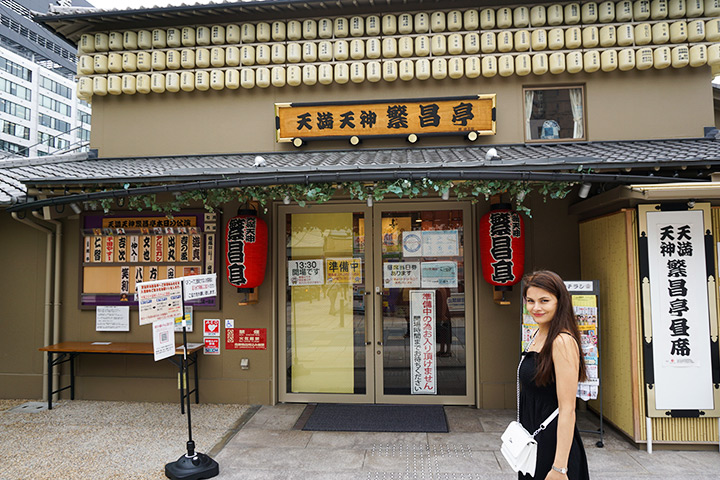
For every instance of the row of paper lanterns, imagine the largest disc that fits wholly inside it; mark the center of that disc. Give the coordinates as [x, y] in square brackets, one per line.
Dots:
[440, 68]
[420, 46]
[406, 23]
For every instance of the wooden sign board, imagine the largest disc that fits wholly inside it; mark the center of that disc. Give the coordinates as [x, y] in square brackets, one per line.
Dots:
[386, 118]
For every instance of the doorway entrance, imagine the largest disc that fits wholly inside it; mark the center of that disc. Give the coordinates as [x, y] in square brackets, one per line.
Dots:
[375, 302]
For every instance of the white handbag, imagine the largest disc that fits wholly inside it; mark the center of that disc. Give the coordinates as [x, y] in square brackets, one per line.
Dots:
[519, 446]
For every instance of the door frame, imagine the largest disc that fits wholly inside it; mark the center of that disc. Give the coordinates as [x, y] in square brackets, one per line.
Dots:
[373, 303]
[468, 251]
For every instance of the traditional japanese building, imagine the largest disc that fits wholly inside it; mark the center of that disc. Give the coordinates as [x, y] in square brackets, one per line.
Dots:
[410, 161]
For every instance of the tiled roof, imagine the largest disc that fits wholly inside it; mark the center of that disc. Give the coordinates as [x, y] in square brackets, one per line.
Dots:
[614, 156]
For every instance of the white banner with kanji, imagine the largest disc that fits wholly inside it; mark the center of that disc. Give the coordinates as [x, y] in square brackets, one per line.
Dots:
[679, 306]
[423, 371]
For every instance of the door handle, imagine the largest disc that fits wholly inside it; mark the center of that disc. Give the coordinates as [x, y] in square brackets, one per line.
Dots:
[378, 291]
[379, 342]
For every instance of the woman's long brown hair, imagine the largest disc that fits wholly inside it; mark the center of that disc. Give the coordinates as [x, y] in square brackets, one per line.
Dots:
[563, 321]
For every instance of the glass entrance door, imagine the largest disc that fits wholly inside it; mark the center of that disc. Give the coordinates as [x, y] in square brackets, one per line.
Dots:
[424, 339]
[350, 279]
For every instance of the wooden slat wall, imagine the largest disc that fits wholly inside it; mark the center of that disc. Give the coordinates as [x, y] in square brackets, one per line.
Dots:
[603, 257]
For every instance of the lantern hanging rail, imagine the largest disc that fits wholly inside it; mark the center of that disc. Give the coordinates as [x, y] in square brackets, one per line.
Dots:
[341, 177]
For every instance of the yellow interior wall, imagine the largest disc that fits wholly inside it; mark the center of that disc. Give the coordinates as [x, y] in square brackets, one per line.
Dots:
[603, 257]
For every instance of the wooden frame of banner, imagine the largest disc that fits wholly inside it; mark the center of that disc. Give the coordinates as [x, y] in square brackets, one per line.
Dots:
[481, 123]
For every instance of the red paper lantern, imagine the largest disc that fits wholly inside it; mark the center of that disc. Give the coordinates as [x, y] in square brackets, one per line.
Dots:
[246, 243]
[502, 246]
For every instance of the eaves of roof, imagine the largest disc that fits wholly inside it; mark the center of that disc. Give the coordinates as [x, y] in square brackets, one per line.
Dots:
[79, 170]
[71, 23]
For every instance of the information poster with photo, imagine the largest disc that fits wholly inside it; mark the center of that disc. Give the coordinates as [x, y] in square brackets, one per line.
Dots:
[586, 312]
[423, 378]
[585, 307]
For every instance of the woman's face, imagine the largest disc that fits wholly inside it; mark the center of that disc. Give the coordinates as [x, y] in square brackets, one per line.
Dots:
[541, 304]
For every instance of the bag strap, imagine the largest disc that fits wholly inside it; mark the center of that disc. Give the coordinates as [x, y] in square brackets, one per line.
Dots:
[517, 386]
[547, 421]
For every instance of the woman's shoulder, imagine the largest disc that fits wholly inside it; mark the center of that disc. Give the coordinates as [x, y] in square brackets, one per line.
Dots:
[565, 341]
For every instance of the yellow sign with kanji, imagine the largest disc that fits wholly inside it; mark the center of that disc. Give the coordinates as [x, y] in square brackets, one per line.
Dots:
[386, 118]
[343, 270]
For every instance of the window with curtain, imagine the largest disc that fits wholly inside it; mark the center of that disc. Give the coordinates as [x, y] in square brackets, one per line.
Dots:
[554, 114]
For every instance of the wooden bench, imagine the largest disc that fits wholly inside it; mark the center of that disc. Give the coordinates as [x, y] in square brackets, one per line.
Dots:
[67, 351]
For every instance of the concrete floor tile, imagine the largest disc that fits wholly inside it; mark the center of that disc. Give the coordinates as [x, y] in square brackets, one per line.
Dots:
[608, 461]
[254, 437]
[679, 463]
[297, 459]
[363, 440]
[475, 441]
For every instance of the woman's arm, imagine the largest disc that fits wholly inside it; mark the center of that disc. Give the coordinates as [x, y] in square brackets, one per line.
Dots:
[566, 360]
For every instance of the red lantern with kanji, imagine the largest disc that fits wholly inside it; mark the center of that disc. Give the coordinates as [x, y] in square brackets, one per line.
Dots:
[246, 244]
[502, 246]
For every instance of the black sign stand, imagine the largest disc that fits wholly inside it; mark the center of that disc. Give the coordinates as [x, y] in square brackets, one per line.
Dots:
[193, 465]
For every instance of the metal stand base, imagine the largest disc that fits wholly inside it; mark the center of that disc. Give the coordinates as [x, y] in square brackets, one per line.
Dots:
[192, 466]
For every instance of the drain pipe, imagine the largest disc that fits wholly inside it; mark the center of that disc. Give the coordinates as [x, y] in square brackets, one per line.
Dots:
[48, 288]
[56, 290]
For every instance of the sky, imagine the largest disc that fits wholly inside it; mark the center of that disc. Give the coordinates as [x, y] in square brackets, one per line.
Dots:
[124, 4]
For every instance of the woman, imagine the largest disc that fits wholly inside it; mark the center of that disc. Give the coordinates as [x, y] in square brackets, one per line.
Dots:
[549, 376]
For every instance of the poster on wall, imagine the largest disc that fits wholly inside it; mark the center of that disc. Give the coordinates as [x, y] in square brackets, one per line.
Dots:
[423, 376]
[112, 319]
[122, 250]
[678, 358]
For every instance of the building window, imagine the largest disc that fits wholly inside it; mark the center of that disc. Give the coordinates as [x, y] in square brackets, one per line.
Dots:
[13, 148]
[14, 109]
[54, 123]
[14, 89]
[554, 113]
[55, 87]
[15, 69]
[52, 141]
[55, 105]
[16, 130]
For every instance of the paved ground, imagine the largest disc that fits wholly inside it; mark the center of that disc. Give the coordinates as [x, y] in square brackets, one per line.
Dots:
[267, 447]
[133, 441]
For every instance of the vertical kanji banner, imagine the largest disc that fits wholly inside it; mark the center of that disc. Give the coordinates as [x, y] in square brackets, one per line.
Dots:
[677, 277]
[423, 375]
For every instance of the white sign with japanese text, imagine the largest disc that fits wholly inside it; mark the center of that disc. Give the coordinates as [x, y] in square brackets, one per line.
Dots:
[679, 306]
[200, 286]
[440, 243]
[112, 319]
[160, 300]
[401, 274]
[423, 371]
[439, 274]
[305, 272]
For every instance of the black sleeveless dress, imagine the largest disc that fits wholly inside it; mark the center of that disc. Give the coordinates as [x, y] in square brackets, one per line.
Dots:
[536, 404]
